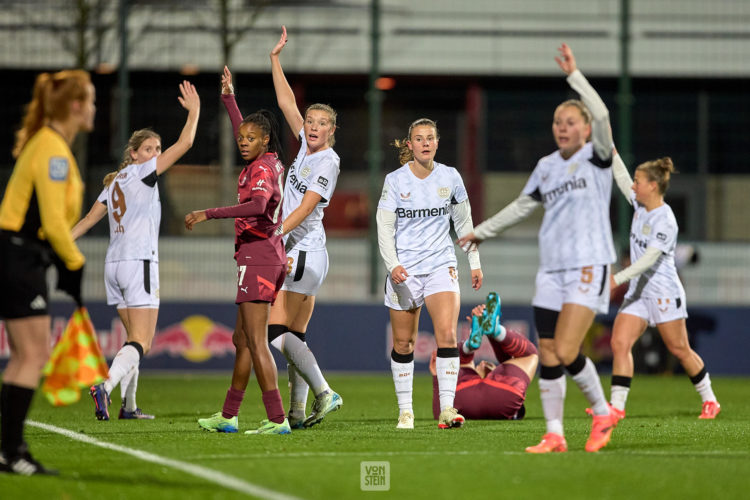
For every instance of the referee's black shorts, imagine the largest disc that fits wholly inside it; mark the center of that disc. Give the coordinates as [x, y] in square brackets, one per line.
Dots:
[23, 276]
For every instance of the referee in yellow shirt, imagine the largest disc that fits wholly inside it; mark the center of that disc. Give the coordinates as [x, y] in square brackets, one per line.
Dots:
[41, 203]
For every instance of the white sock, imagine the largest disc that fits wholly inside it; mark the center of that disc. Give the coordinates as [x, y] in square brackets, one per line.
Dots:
[501, 331]
[552, 392]
[591, 387]
[124, 382]
[447, 376]
[704, 389]
[130, 389]
[619, 396]
[403, 379]
[298, 390]
[126, 359]
[300, 355]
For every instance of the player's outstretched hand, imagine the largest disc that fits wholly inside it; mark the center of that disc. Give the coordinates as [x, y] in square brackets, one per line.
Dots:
[194, 218]
[477, 311]
[226, 82]
[476, 279]
[280, 45]
[189, 99]
[468, 242]
[566, 61]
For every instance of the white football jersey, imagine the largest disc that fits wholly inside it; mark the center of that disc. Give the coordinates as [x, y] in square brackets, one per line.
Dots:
[423, 212]
[134, 212]
[575, 230]
[657, 228]
[319, 173]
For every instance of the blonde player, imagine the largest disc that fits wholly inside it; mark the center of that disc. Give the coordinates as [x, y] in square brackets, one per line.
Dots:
[655, 295]
[309, 187]
[413, 218]
[574, 185]
[131, 267]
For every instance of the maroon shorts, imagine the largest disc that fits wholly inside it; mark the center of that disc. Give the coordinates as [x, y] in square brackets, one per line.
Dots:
[259, 283]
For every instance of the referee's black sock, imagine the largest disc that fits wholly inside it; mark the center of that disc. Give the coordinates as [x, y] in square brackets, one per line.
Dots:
[15, 404]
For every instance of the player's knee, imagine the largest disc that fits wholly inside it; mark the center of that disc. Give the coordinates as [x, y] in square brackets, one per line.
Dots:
[620, 345]
[403, 346]
[680, 350]
[238, 339]
[566, 353]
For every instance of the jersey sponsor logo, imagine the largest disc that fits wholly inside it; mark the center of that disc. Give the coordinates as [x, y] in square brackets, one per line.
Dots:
[422, 212]
[444, 192]
[570, 185]
[305, 172]
[297, 184]
[661, 236]
[322, 181]
[58, 168]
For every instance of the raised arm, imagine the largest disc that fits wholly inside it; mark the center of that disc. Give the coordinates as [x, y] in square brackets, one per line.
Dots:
[98, 210]
[190, 101]
[230, 103]
[622, 177]
[284, 94]
[601, 131]
[512, 214]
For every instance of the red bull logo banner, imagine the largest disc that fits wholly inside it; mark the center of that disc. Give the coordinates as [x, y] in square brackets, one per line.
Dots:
[182, 341]
[195, 338]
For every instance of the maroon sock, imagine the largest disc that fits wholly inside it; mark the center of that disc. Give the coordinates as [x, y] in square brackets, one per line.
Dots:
[232, 403]
[462, 356]
[274, 406]
[514, 345]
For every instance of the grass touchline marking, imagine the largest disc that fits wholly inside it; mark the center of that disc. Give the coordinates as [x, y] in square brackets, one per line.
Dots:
[213, 476]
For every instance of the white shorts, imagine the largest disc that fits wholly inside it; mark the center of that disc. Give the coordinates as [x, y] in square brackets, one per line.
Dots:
[587, 286]
[411, 293]
[132, 284]
[306, 271]
[655, 310]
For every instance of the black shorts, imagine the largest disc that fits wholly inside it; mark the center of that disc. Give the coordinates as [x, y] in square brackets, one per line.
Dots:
[23, 276]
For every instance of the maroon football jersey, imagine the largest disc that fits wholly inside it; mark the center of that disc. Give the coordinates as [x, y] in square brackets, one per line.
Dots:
[258, 212]
[263, 177]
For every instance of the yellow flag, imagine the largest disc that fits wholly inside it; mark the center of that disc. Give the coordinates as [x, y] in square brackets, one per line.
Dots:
[76, 362]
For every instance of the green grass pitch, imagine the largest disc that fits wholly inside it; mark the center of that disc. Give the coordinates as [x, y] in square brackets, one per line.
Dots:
[660, 451]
